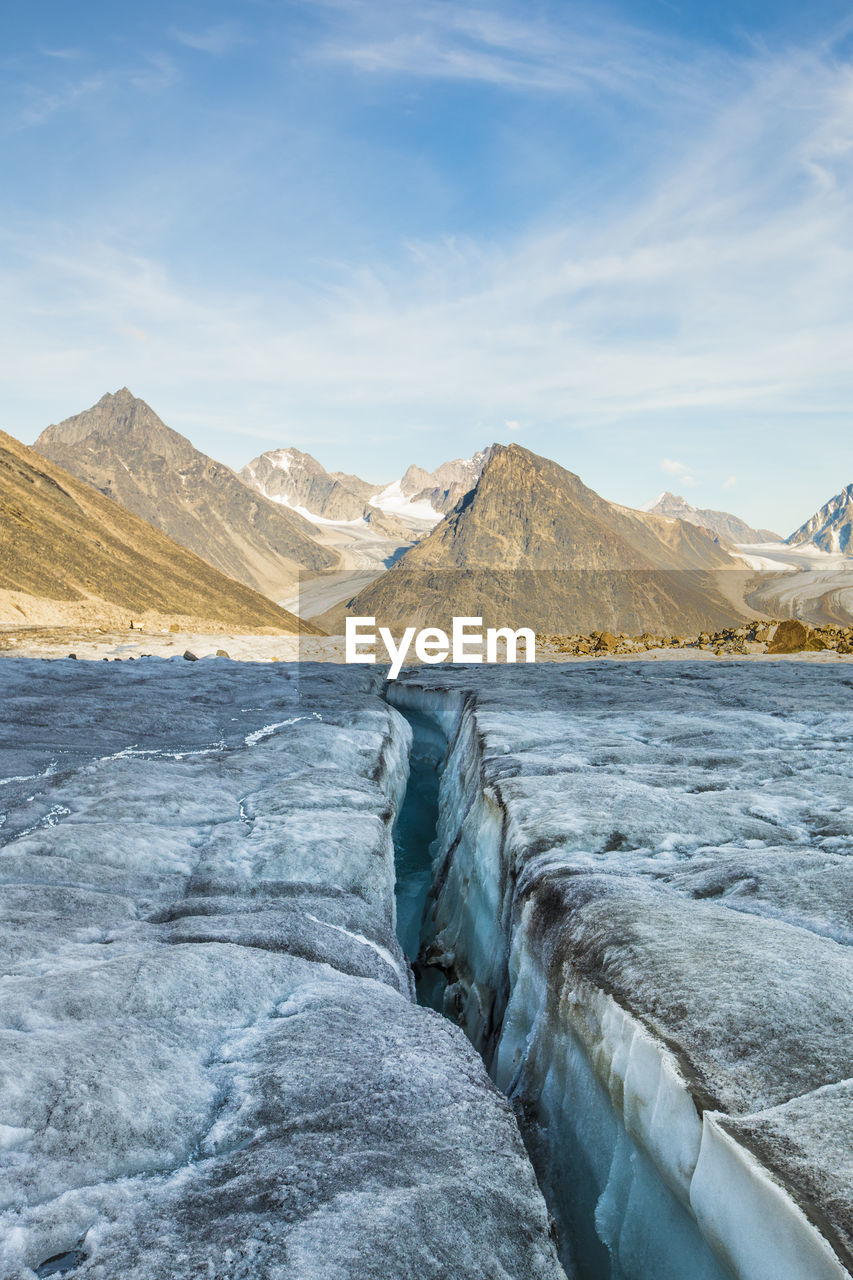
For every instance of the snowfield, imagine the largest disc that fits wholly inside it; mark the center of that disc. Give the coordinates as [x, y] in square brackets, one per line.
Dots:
[211, 1062]
[643, 917]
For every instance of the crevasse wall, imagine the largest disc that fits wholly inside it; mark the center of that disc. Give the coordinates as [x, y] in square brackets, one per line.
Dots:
[641, 1182]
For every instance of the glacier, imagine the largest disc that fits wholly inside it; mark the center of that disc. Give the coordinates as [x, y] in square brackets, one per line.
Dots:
[627, 884]
[212, 1064]
[641, 916]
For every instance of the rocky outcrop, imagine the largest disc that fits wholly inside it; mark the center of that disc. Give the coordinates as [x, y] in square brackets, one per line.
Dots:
[760, 636]
[794, 636]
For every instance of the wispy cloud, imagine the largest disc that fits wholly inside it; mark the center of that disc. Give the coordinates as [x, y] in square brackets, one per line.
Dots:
[155, 73]
[713, 287]
[679, 471]
[40, 102]
[66, 55]
[673, 467]
[215, 40]
[433, 39]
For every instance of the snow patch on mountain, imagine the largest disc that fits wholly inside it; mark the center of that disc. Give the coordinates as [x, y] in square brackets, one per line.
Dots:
[831, 528]
[655, 502]
[393, 500]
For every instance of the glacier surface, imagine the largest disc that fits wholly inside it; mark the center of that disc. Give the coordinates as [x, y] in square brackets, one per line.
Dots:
[211, 1062]
[641, 916]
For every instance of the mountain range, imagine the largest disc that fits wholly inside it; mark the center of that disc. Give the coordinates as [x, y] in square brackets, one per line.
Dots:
[284, 521]
[70, 556]
[730, 527]
[442, 489]
[405, 507]
[532, 545]
[299, 482]
[122, 448]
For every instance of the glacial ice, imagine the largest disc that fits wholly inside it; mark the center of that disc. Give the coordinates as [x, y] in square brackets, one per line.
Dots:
[642, 913]
[211, 1064]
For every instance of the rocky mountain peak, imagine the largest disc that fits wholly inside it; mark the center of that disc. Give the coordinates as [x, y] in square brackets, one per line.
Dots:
[415, 479]
[442, 489]
[831, 528]
[121, 447]
[722, 523]
[72, 556]
[532, 545]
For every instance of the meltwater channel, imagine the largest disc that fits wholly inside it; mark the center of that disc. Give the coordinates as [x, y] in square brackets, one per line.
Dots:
[416, 828]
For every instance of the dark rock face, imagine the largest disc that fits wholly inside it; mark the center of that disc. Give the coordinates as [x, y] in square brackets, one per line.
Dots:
[123, 449]
[532, 546]
[62, 542]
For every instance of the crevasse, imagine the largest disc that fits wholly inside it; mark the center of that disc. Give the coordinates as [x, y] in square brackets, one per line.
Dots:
[644, 1183]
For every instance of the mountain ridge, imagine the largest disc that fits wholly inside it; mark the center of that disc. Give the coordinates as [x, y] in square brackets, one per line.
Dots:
[418, 498]
[728, 526]
[831, 527]
[532, 545]
[69, 552]
[121, 447]
[297, 481]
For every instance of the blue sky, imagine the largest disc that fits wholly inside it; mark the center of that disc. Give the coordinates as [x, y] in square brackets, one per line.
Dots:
[621, 234]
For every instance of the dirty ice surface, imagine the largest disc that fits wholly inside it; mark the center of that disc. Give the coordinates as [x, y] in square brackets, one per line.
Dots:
[210, 1061]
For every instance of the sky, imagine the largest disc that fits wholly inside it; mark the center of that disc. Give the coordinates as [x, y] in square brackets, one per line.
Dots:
[393, 231]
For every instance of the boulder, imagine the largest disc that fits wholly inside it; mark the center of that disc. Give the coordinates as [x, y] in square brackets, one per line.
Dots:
[794, 636]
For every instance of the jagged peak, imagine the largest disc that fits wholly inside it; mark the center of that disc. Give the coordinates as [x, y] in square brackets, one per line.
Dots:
[501, 454]
[124, 395]
[289, 459]
[117, 416]
[825, 527]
